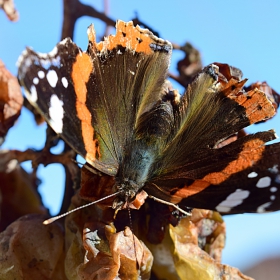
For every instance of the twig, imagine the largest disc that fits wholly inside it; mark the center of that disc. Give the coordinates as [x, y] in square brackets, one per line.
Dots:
[74, 9]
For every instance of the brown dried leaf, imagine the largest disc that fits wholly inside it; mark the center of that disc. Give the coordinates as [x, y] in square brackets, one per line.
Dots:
[19, 193]
[210, 231]
[9, 9]
[127, 250]
[115, 258]
[31, 250]
[11, 100]
[96, 251]
[103, 185]
[192, 250]
[191, 262]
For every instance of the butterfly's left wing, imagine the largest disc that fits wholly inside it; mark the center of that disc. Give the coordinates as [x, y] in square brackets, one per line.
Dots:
[197, 169]
[94, 99]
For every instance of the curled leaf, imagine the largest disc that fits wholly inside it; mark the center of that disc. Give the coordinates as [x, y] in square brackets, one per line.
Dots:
[95, 250]
[30, 250]
[192, 250]
[11, 100]
[18, 190]
[9, 9]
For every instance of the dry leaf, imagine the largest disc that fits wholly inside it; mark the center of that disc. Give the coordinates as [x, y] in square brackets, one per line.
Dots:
[192, 250]
[11, 100]
[31, 250]
[9, 9]
[95, 250]
[19, 192]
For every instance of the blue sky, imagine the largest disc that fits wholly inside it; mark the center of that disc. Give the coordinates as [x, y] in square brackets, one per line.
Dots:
[242, 33]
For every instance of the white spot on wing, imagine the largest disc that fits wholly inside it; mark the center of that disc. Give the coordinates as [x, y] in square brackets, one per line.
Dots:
[272, 197]
[33, 94]
[35, 81]
[261, 209]
[274, 169]
[233, 200]
[56, 113]
[64, 82]
[223, 209]
[252, 175]
[52, 78]
[264, 182]
[41, 74]
[273, 189]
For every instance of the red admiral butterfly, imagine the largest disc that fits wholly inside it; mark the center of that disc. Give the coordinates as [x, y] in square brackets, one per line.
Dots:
[113, 106]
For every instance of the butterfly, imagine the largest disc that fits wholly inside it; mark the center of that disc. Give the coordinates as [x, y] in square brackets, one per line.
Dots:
[115, 107]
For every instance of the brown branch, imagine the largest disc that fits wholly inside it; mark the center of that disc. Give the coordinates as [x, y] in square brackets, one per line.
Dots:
[29, 154]
[136, 21]
[37, 116]
[189, 66]
[70, 183]
[106, 11]
[38, 157]
[73, 9]
[177, 79]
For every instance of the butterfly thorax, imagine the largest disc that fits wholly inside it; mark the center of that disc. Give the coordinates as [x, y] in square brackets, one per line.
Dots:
[134, 171]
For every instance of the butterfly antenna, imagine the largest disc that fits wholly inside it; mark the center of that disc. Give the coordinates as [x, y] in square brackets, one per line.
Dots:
[92, 170]
[170, 204]
[77, 162]
[51, 220]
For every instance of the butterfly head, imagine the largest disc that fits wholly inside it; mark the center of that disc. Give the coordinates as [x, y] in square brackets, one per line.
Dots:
[128, 190]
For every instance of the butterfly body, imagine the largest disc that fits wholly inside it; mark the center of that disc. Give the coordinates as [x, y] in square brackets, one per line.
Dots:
[137, 164]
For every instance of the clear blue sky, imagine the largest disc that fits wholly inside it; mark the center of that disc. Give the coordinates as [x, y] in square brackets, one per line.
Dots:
[241, 33]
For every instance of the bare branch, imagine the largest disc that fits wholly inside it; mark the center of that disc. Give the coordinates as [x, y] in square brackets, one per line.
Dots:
[73, 9]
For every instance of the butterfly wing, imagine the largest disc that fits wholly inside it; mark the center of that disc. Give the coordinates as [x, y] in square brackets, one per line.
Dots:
[211, 110]
[255, 189]
[242, 176]
[196, 169]
[94, 99]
